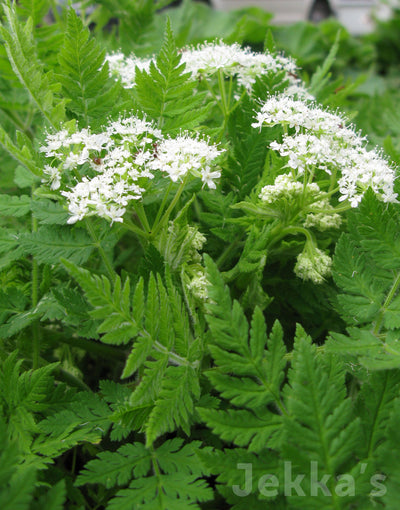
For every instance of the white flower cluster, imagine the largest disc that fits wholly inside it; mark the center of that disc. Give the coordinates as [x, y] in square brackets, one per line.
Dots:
[124, 68]
[322, 141]
[305, 116]
[313, 264]
[178, 156]
[319, 212]
[101, 173]
[206, 59]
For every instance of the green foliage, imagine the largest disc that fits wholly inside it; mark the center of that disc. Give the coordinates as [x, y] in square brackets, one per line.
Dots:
[22, 151]
[41, 85]
[83, 74]
[15, 206]
[258, 373]
[163, 335]
[35, 9]
[112, 305]
[49, 244]
[166, 91]
[366, 270]
[247, 162]
[319, 412]
[22, 395]
[174, 481]
[321, 77]
[256, 412]
[162, 361]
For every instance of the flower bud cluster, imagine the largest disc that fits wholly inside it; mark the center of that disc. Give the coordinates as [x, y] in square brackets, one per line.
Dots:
[313, 264]
[315, 205]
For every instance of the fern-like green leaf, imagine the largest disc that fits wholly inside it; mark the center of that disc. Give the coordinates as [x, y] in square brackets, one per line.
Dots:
[55, 497]
[22, 396]
[166, 91]
[10, 248]
[86, 418]
[245, 373]
[17, 485]
[167, 477]
[48, 212]
[366, 268]
[174, 405]
[250, 149]
[375, 404]
[15, 206]
[321, 77]
[165, 394]
[319, 413]
[112, 306]
[21, 52]
[21, 151]
[84, 76]
[117, 468]
[387, 486]
[49, 244]
[35, 9]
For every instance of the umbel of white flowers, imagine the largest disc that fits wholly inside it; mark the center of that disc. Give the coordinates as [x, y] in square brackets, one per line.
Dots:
[320, 140]
[205, 60]
[314, 141]
[100, 173]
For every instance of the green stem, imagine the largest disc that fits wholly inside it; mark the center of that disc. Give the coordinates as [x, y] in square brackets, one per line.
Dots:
[387, 302]
[282, 232]
[73, 464]
[97, 243]
[90, 346]
[335, 210]
[174, 358]
[36, 331]
[333, 181]
[157, 227]
[225, 254]
[142, 215]
[162, 206]
[35, 299]
[128, 225]
[219, 104]
[72, 380]
[221, 84]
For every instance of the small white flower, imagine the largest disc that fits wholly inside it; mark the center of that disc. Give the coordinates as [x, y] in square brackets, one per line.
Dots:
[54, 142]
[208, 177]
[53, 176]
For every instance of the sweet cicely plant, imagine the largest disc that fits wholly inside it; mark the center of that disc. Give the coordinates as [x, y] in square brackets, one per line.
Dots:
[200, 266]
